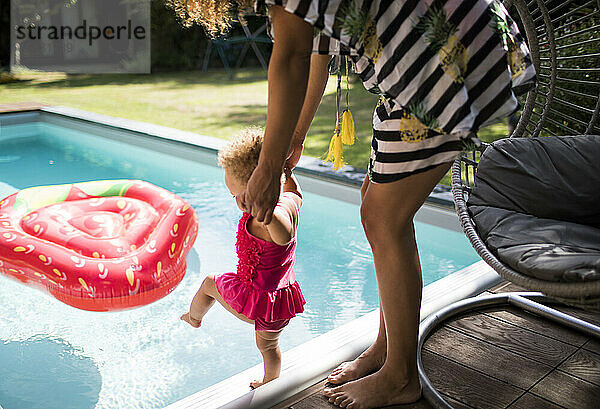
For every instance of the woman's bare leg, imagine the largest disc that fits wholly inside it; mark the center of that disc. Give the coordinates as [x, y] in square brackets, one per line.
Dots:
[387, 214]
[373, 358]
[268, 345]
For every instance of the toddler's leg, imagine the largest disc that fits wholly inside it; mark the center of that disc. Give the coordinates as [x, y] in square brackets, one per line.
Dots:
[204, 299]
[201, 303]
[268, 345]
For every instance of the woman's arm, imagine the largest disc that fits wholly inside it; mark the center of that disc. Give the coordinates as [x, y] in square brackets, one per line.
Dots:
[288, 78]
[317, 81]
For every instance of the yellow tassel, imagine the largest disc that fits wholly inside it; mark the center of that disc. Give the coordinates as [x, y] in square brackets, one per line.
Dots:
[329, 157]
[335, 151]
[346, 135]
[347, 128]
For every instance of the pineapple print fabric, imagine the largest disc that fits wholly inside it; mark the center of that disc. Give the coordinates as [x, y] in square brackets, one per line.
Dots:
[444, 70]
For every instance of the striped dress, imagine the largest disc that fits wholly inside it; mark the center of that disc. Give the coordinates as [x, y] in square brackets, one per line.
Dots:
[443, 70]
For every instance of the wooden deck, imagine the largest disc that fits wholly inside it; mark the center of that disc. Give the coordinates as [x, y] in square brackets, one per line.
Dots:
[502, 358]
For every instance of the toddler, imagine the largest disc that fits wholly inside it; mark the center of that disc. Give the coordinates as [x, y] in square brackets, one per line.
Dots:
[263, 291]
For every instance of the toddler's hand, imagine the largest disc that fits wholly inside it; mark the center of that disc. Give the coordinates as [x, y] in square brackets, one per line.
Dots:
[192, 321]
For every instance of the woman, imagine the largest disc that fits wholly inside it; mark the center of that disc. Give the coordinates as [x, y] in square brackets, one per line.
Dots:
[444, 70]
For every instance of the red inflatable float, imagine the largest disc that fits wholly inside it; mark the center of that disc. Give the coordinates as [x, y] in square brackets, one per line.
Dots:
[98, 246]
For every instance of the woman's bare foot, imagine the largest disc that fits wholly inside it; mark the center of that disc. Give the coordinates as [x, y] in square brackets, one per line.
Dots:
[256, 383]
[192, 321]
[376, 390]
[368, 362]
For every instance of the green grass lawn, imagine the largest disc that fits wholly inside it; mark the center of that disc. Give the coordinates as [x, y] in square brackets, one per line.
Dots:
[204, 103]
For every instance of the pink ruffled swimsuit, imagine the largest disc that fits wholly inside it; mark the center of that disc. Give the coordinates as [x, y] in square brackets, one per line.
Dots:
[264, 288]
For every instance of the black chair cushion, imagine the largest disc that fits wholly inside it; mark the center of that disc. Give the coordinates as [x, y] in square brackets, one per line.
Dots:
[536, 204]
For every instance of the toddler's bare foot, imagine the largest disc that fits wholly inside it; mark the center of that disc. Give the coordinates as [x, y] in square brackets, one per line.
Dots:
[192, 321]
[256, 383]
[374, 391]
[368, 362]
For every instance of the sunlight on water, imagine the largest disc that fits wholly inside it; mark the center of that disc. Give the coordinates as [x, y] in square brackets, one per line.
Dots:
[147, 358]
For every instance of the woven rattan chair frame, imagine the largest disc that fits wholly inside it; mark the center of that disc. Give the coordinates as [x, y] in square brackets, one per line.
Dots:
[557, 106]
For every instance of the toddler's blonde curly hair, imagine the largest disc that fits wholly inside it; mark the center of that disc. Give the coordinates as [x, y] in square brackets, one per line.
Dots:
[240, 155]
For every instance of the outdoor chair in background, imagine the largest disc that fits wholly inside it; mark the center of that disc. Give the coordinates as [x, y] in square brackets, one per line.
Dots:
[530, 204]
[250, 39]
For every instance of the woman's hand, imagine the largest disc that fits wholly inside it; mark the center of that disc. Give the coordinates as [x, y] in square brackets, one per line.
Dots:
[262, 193]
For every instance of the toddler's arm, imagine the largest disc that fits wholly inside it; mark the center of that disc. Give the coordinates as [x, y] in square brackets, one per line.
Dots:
[282, 228]
[291, 185]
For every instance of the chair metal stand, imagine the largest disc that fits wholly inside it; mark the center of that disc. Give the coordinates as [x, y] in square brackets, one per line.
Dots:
[528, 301]
[252, 39]
[219, 45]
[249, 40]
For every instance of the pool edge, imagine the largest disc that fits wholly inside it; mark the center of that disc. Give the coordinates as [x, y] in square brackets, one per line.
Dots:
[304, 367]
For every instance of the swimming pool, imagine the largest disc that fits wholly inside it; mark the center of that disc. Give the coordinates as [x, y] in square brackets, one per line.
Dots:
[56, 356]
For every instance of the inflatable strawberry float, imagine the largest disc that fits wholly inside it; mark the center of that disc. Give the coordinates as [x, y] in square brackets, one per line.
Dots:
[98, 246]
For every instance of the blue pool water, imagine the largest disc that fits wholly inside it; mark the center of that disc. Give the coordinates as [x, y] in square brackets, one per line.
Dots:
[55, 356]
